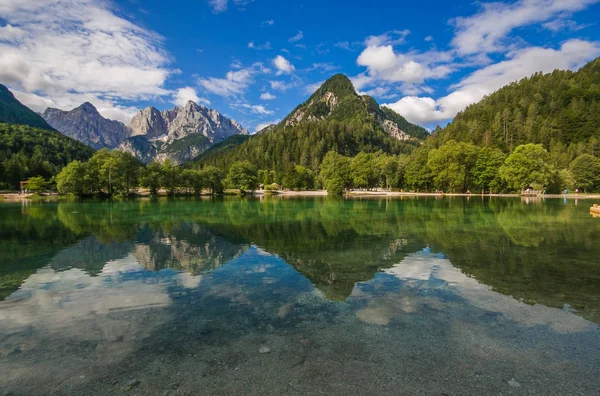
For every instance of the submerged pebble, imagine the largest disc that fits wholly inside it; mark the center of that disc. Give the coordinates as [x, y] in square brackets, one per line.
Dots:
[264, 349]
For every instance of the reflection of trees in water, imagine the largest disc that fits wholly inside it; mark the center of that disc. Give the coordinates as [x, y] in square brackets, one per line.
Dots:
[539, 252]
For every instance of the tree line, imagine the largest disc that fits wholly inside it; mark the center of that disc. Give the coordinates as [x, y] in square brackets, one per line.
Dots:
[455, 167]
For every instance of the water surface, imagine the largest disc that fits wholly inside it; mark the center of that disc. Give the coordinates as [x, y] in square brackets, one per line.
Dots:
[364, 296]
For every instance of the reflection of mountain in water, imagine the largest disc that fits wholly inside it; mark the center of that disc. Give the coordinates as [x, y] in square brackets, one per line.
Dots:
[544, 252]
[188, 247]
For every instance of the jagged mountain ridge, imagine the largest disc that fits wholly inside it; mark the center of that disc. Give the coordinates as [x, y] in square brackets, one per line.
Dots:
[85, 124]
[179, 134]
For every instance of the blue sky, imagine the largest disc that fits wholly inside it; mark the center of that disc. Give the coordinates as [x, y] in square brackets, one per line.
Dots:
[255, 60]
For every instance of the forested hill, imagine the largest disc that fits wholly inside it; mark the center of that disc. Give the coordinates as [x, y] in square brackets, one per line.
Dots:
[14, 112]
[559, 110]
[336, 118]
[27, 152]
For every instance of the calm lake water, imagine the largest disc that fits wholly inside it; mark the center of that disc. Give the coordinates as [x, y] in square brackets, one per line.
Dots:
[300, 296]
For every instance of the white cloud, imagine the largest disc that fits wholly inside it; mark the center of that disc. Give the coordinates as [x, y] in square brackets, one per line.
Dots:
[256, 109]
[485, 32]
[522, 63]
[259, 109]
[379, 92]
[383, 63]
[563, 24]
[218, 5]
[429, 38]
[269, 22]
[299, 36]
[280, 85]
[394, 37]
[62, 51]
[235, 83]
[267, 96]
[283, 65]
[184, 95]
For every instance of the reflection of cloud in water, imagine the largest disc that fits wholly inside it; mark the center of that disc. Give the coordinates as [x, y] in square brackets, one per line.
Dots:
[70, 322]
[63, 300]
[421, 273]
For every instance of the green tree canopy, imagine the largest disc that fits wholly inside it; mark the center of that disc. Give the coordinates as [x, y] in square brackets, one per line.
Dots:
[451, 165]
[586, 172]
[242, 175]
[528, 164]
[486, 175]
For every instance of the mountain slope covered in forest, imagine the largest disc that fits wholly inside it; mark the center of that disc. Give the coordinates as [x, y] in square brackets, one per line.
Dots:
[558, 110]
[14, 112]
[336, 118]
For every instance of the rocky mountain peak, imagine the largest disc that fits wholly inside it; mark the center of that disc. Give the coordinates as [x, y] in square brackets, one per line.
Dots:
[195, 125]
[337, 99]
[84, 123]
[88, 108]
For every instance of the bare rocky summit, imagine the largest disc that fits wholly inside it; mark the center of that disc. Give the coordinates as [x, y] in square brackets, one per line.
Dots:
[179, 134]
[180, 122]
[84, 123]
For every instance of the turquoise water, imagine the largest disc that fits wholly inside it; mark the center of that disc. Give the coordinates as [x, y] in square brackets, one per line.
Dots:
[300, 296]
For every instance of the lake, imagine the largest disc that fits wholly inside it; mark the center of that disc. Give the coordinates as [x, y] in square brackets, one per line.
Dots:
[299, 296]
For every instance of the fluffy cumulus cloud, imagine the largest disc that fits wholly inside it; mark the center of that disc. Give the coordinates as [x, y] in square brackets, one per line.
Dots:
[184, 95]
[63, 52]
[487, 30]
[283, 65]
[390, 70]
[572, 54]
[386, 65]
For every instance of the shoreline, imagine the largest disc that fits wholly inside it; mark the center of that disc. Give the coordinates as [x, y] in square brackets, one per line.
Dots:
[16, 197]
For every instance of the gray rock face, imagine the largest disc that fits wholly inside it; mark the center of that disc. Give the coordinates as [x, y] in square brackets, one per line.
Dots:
[139, 147]
[180, 122]
[149, 123]
[392, 129]
[85, 124]
[328, 99]
[183, 150]
[180, 134]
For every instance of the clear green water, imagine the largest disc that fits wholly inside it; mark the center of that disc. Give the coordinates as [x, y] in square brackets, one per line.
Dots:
[362, 296]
